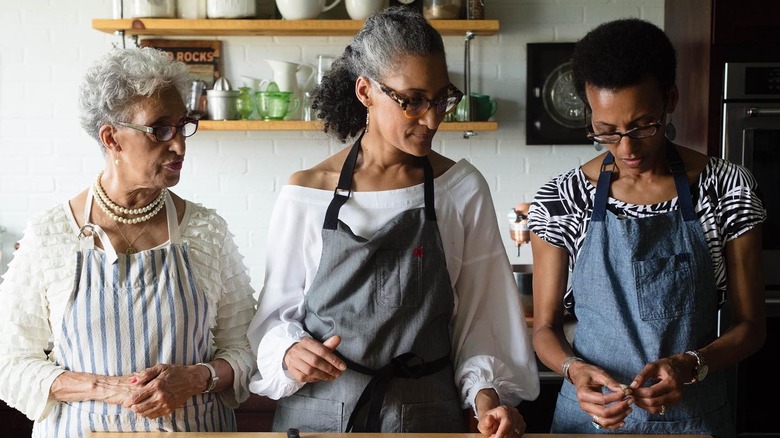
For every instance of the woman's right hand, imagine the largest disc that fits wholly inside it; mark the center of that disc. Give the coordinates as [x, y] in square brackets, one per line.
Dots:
[310, 361]
[608, 409]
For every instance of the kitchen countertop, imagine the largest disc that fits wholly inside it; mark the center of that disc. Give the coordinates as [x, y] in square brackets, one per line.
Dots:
[362, 435]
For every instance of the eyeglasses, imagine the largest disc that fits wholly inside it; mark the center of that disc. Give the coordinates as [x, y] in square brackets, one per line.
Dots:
[415, 108]
[643, 131]
[165, 132]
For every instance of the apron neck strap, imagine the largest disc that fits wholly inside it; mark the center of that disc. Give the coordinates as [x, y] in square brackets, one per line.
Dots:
[676, 167]
[344, 188]
[87, 242]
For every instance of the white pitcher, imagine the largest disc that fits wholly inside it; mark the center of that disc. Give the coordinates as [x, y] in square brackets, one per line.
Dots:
[303, 9]
[286, 75]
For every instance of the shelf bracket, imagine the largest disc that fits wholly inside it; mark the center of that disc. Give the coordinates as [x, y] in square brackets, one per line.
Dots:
[467, 79]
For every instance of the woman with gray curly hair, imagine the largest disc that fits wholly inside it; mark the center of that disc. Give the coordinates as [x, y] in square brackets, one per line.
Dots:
[389, 304]
[126, 308]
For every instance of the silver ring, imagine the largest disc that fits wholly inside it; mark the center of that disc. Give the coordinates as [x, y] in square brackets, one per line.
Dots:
[663, 410]
[595, 423]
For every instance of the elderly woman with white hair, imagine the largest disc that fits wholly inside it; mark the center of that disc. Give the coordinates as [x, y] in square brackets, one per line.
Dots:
[126, 307]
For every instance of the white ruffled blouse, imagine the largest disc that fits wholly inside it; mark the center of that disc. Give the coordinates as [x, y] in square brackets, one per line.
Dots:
[39, 281]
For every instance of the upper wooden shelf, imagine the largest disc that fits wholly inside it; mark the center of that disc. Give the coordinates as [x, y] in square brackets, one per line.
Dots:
[240, 27]
[300, 125]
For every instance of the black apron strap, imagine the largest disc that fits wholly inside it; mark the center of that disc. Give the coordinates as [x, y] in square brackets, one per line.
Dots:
[343, 189]
[430, 212]
[407, 365]
[602, 188]
[677, 167]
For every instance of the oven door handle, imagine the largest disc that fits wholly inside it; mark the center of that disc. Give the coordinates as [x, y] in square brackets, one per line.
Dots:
[757, 112]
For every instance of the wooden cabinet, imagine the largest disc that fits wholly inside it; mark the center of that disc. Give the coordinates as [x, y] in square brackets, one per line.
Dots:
[707, 34]
[250, 27]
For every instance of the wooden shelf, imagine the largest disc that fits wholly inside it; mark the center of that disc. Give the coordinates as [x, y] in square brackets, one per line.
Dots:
[241, 27]
[300, 125]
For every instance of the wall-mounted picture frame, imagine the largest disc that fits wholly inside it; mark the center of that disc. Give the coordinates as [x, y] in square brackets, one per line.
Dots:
[203, 57]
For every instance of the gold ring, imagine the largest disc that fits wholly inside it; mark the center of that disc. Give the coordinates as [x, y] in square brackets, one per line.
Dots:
[663, 410]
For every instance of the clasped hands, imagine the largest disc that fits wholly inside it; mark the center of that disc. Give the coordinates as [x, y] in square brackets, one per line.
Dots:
[657, 387]
[155, 391]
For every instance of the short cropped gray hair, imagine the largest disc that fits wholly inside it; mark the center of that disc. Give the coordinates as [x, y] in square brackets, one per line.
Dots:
[114, 83]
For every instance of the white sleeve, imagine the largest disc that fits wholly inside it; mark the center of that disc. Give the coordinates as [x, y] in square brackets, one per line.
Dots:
[26, 374]
[491, 342]
[293, 237]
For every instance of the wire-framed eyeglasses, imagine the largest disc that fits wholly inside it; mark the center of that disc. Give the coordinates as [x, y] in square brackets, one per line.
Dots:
[416, 107]
[643, 131]
[164, 133]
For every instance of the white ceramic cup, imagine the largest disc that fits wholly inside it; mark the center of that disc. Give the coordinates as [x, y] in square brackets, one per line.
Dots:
[303, 9]
[362, 9]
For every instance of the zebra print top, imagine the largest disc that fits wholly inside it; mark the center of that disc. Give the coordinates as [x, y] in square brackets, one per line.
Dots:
[726, 198]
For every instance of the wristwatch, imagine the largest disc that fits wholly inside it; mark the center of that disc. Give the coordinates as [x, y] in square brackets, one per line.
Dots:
[213, 377]
[701, 368]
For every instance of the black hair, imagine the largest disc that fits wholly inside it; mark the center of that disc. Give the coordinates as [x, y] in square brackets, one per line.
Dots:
[622, 53]
[376, 51]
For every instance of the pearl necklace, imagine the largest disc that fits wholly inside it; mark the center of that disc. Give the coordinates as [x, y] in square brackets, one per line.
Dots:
[127, 211]
[103, 204]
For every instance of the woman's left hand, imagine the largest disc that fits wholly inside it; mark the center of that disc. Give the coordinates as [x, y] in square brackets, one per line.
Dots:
[502, 422]
[164, 388]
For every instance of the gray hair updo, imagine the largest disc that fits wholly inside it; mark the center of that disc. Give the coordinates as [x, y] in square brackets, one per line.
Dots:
[113, 84]
[376, 51]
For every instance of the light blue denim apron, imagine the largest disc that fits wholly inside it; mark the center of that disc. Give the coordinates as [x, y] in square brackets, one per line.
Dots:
[644, 289]
[390, 299]
[126, 313]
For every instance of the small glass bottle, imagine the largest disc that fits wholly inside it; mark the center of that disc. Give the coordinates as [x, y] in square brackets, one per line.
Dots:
[246, 102]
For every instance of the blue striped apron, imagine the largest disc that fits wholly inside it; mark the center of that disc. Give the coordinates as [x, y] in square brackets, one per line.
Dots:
[128, 312]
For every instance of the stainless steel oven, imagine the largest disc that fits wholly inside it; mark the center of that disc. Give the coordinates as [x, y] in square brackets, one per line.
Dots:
[751, 137]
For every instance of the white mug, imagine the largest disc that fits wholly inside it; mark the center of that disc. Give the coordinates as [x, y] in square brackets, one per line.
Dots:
[362, 9]
[303, 9]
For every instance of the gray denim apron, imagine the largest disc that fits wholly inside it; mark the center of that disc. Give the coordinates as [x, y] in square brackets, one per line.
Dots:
[390, 299]
[644, 289]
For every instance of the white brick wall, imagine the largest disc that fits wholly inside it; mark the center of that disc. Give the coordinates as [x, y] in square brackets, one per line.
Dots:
[45, 157]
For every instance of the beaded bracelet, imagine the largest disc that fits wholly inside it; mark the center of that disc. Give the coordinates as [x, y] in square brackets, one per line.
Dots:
[565, 366]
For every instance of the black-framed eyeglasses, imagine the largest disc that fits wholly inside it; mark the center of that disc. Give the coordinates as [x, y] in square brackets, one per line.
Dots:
[416, 107]
[643, 131]
[165, 132]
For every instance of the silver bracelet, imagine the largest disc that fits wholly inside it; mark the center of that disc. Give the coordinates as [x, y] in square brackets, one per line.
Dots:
[566, 364]
[213, 377]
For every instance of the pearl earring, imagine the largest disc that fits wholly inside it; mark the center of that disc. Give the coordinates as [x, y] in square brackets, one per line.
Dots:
[598, 146]
[116, 161]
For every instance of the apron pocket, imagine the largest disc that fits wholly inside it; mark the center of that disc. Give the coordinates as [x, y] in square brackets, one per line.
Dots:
[398, 276]
[434, 417]
[664, 287]
[308, 414]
